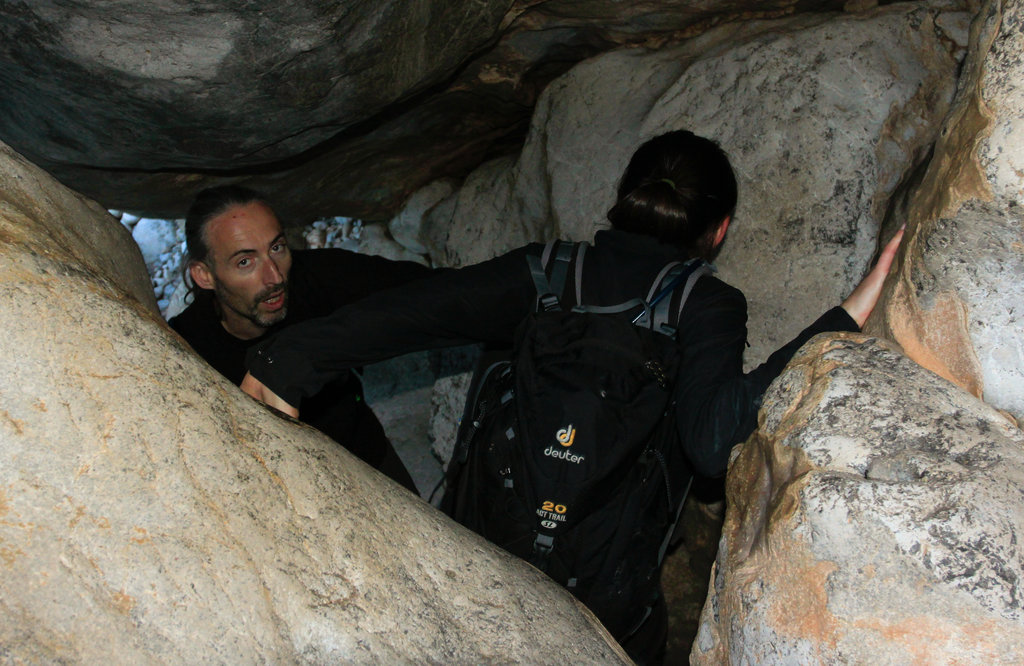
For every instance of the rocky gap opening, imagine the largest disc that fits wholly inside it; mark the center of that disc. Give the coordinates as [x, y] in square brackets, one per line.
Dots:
[398, 390]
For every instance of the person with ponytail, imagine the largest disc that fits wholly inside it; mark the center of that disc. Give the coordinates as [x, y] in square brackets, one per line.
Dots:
[675, 201]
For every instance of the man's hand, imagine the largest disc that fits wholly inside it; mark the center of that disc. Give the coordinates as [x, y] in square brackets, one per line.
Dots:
[862, 301]
[258, 390]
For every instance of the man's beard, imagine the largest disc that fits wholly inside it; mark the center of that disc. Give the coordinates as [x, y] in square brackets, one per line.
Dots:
[253, 314]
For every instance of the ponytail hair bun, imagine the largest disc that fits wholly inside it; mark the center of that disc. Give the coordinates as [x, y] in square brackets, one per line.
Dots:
[677, 188]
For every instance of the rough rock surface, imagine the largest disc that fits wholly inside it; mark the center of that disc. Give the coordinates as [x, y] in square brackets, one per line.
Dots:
[180, 85]
[151, 512]
[821, 121]
[54, 225]
[339, 108]
[447, 403]
[405, 227]
[956, 307]
[875, 517]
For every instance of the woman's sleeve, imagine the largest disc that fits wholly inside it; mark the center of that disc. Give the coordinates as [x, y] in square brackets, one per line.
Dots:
[716, 402]
[480, 303]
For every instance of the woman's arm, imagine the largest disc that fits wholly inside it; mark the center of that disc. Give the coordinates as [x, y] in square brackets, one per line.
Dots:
[717, 403]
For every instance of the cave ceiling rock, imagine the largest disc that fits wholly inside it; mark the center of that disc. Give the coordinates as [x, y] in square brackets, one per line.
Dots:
[219, 85]
[340, 108]
[152, 513]
[822, 115]
[874, 517]
[956, 305]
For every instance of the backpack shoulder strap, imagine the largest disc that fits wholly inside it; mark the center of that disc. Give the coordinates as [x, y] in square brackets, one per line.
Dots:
[551, 270]
[667, 304]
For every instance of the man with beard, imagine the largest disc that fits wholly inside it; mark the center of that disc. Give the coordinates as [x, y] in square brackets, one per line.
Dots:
[247, 284]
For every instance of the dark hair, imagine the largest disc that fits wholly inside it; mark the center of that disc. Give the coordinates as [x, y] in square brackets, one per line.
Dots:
[207, 205]
[677, 188]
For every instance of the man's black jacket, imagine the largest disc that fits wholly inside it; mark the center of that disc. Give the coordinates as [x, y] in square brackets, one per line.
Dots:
[320, 281]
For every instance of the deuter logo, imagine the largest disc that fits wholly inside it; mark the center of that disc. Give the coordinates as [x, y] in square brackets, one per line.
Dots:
[565, 437]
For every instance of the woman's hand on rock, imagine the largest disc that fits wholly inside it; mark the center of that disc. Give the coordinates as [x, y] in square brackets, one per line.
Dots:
[861, 302]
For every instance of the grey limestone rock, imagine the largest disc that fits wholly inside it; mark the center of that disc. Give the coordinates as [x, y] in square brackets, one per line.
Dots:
[448, 401]
[407, 227]
[821, 122]
[342, 107]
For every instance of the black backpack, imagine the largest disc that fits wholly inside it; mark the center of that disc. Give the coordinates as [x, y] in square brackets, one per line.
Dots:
[567, 453]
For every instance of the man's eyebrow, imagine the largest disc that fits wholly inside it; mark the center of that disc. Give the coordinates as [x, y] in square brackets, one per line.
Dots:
[242, 251]
[277, 238]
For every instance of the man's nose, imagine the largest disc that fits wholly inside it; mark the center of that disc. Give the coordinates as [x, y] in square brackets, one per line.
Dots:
[271, 273]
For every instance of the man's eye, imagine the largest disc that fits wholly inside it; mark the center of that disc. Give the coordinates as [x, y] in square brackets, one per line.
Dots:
[278, 247]
[242, 263]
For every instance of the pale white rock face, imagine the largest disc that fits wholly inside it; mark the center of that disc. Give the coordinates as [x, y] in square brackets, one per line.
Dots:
[137, 48]
[875, 516]
[376, 240]
[476, 222]
[154, 237]
[822, 117]
[448, 401]
[68, 226]
[406, 227]
[994, 294]
[1001, 152]
[980, 253]
[152, 513]
[178, 300]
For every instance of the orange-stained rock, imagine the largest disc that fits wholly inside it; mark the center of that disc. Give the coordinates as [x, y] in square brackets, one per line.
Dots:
[955, 305]
[875, 517]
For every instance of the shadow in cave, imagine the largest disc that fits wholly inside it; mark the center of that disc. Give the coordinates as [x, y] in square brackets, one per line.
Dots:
[687, 568]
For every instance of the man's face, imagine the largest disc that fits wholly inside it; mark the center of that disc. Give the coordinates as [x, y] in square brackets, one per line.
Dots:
[247, 268]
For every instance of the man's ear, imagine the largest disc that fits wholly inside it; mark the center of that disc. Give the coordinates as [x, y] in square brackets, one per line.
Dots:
[201, 274]
[723, 226]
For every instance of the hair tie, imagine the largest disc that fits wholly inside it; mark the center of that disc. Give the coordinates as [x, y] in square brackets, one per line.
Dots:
[670, 182]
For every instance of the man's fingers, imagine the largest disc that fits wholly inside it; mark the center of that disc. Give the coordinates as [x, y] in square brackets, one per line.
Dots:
[258, 390]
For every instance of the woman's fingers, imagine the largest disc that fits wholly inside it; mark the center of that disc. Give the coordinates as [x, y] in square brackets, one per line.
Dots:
[862, 301]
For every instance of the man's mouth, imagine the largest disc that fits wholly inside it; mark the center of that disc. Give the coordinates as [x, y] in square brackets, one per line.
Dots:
[275, 301]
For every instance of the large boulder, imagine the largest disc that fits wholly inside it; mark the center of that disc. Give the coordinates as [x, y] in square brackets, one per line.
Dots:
[823, 116]
[956, 307]
[151, 512]
[874, 517]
